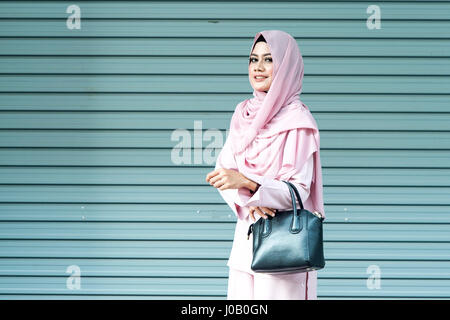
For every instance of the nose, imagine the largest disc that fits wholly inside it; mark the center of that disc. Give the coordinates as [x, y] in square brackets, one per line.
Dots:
[259, 66]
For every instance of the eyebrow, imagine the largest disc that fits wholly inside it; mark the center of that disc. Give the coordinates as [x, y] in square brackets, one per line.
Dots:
[265, 54]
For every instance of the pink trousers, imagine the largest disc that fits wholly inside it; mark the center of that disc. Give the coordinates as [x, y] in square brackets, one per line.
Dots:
[245, 286]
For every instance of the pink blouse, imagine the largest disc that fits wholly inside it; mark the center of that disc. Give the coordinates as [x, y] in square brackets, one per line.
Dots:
[272, 193]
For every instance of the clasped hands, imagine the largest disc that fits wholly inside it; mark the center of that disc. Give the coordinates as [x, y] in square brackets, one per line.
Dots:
[223, 179]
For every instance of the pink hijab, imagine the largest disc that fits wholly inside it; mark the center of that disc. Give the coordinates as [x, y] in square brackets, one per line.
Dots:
[262, 123]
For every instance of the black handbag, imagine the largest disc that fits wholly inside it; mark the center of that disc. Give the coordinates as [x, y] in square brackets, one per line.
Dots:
[291, 241]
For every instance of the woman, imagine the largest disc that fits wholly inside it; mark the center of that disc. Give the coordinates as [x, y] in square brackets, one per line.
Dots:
[273, 137]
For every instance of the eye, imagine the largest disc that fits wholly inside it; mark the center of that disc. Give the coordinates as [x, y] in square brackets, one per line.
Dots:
[267, 59]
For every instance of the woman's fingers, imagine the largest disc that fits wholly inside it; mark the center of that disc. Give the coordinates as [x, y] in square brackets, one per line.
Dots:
[214, 179]
[269, 211]
[262, 211]
[211, 174]
[259, 211]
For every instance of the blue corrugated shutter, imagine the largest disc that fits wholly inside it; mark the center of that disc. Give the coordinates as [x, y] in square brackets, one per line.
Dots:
[88, 186]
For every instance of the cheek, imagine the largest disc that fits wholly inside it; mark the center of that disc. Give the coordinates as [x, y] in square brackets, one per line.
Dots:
[270, 70]
[250, 74]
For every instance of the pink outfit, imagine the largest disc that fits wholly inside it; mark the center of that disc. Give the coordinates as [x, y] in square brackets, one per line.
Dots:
[244, 286]
[272, 193]
[273, 137]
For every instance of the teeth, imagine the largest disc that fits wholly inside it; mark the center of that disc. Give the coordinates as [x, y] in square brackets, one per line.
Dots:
[260, 77]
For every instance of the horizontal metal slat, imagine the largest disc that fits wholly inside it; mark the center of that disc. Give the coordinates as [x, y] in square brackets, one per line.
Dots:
[117, 231]
[364, 195]
[225, 84]
[198, 102]
[32, 27]
[366, 140]
[197, 176]
[142, 249]
[221, 47]
[213, 286]
[206, 231]
[228, 65]
[212, 120]
[211, 268]
[104, 157]
[219, 212]
[245, 10]
[110, 285]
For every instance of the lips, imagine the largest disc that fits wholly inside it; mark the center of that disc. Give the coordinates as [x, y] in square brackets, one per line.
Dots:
[259, 79]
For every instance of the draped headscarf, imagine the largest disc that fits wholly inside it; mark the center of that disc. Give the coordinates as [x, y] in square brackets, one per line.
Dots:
[261, 123]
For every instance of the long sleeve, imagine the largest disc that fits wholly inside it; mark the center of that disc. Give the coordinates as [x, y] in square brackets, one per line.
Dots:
[297, 167]
[274, 193]
[229, 195]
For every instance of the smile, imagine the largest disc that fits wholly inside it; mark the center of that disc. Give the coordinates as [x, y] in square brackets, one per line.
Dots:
[260, 78]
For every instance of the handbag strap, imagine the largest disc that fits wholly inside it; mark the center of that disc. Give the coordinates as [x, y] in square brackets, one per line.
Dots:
[297, 194]
[296, 223]
[291, 191]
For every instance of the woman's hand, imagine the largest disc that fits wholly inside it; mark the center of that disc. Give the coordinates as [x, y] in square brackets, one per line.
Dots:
[229, 179]
[262, 211]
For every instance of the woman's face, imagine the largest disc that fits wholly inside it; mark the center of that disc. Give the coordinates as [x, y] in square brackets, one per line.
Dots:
[260, 66]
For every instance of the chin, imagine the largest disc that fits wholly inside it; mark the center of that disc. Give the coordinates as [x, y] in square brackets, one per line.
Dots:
[259, 88]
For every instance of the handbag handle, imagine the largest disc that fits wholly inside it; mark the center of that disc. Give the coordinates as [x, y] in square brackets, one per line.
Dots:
[296, 223]
[294, 204]
[316, 213]
[297, 194]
